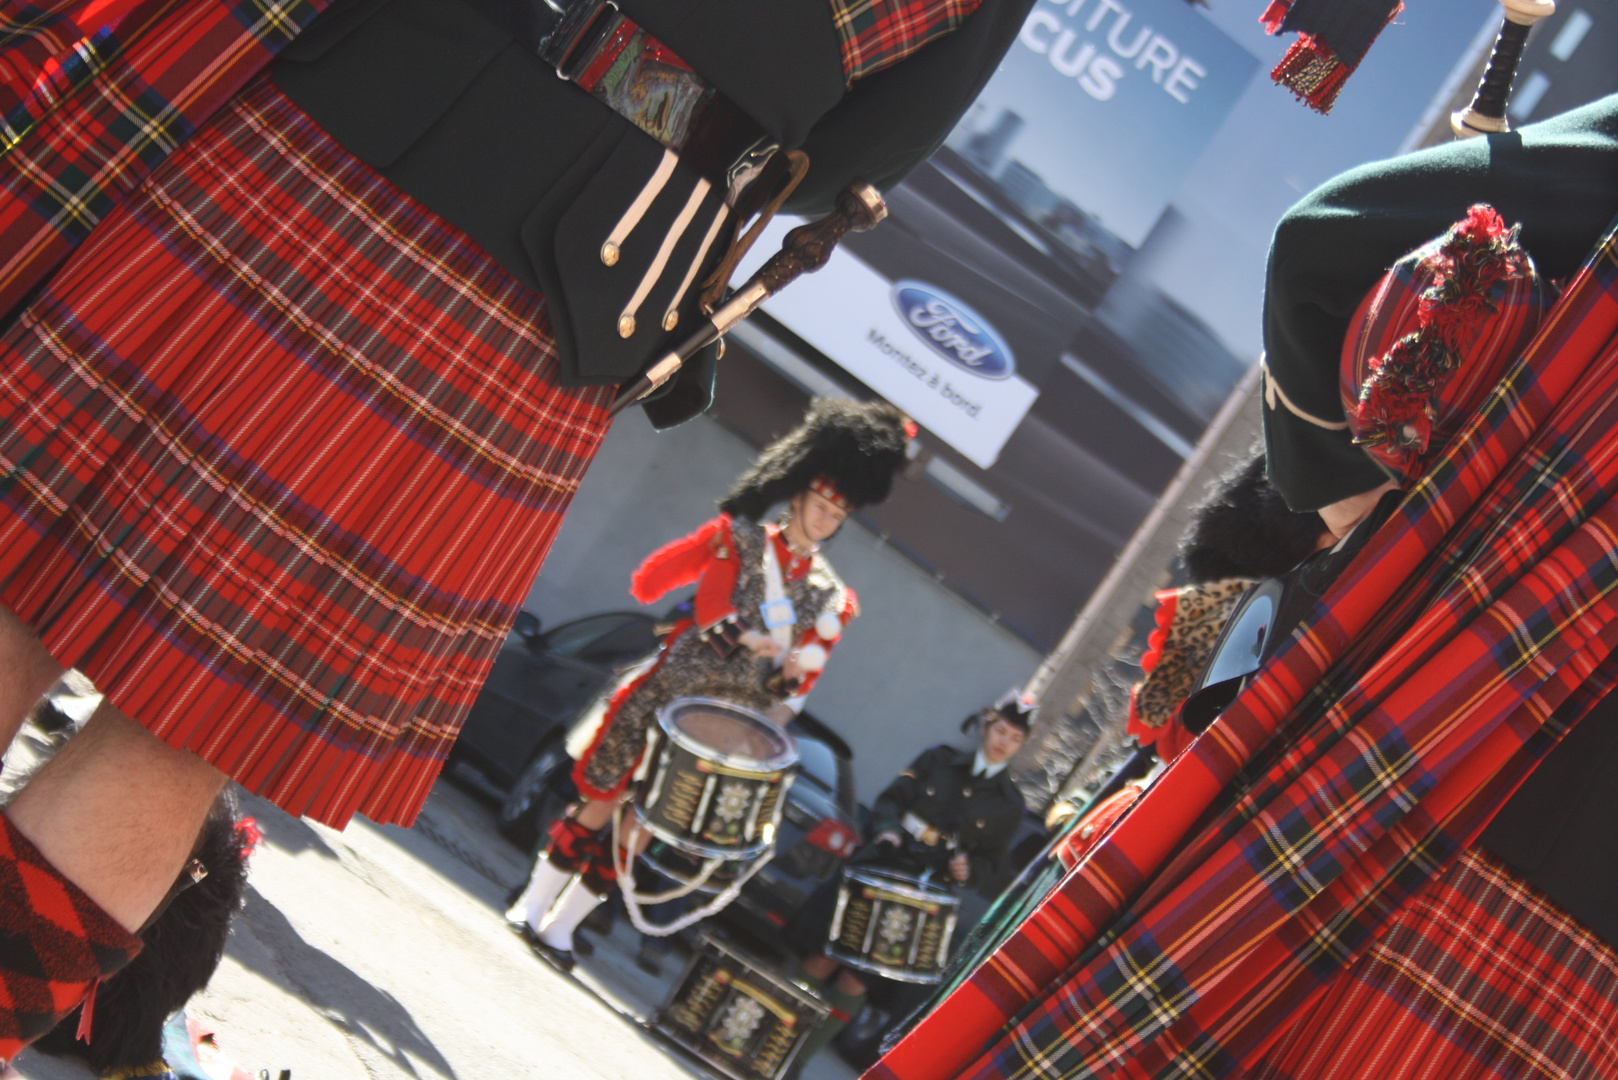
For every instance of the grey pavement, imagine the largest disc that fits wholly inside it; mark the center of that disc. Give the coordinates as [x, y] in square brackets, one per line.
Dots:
[381, 953]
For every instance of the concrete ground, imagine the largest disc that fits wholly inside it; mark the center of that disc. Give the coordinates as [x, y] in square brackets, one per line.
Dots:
[380, 953]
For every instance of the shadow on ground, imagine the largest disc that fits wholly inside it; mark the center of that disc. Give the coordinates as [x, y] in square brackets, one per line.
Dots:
[361, 1011]
[292, 835]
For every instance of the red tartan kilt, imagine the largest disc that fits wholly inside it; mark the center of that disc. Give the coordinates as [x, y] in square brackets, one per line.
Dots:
[1481, 977]
[283, 453]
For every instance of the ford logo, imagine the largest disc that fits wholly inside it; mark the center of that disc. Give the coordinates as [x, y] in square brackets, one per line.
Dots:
[952, 330]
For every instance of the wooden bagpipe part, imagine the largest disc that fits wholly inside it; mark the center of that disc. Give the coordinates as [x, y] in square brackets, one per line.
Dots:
[803, 251]
[1487, 113]
[806, 248]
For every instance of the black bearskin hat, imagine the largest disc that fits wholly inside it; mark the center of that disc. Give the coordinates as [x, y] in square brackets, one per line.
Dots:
[857, 446]
[1245, 530]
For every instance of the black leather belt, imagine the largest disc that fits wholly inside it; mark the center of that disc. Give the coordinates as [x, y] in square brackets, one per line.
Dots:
[593, 45]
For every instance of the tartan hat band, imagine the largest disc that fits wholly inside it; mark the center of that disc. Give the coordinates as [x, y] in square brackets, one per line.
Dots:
[822, 486]
[1434, 336]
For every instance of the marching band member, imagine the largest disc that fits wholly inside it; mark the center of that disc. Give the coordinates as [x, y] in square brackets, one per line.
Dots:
[305, 359]
[769, 609]
[1395, 850]
[954, 814]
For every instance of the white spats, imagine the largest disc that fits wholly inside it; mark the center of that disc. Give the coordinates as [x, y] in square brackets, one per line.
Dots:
[566, 915]
[545, 884]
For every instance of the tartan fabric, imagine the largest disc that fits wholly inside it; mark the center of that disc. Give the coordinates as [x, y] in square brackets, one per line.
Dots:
[1471, 632]
[105, 111]
[283, 453]
[33, 39]
[576, 850]
[571, 845]
[1481, 977]
[875, 34]
[1434, 336]
[49, 51]
[55, 943]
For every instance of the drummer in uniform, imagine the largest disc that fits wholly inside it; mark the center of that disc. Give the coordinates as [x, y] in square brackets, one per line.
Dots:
[952, 815]
[769, 608]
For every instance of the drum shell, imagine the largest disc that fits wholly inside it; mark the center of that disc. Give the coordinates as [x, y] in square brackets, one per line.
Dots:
[737, 1015]
[893, 925]
[709, 803]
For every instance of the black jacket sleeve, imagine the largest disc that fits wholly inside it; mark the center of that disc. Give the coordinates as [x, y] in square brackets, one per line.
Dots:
[889, 123]
[899, 796]
[1558, 178]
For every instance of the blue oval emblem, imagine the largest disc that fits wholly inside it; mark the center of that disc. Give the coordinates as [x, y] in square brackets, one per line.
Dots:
[952, 330]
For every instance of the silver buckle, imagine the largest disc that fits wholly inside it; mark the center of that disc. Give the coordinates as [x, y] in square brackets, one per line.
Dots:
[578, 37]
[747, 167]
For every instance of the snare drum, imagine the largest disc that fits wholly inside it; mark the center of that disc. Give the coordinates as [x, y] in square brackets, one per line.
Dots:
[737, 1014]
[716, 782]
[893, 925]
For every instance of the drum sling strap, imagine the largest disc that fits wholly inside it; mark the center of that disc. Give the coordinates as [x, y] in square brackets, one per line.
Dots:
[779, 617]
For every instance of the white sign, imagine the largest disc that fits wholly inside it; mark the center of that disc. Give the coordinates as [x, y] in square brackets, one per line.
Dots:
[916, 345]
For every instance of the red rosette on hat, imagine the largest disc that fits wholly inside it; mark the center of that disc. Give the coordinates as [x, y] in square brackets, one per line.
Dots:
[1434, 336]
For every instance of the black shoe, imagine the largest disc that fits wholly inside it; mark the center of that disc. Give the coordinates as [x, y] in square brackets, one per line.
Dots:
[602, 919]
[560, 959]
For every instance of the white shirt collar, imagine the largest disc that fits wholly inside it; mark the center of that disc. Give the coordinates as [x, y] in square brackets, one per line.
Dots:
[982, 768]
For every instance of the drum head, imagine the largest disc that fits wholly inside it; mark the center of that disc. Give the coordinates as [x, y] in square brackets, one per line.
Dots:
[903, 884]
[733, 734]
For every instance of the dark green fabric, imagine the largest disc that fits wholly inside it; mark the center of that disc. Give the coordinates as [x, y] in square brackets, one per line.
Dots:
[892, 121]
[1558, 178]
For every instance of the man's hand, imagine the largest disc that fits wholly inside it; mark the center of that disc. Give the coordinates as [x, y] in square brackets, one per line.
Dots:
[761, 644]
[960, 868]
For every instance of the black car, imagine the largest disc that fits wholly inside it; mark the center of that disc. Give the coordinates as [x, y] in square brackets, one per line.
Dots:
[819, 830]
[540, 684]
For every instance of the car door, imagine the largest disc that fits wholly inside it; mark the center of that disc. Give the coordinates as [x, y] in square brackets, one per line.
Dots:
[538, 686]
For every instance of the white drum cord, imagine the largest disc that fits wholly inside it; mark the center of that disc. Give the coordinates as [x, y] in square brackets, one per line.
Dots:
[623, 863]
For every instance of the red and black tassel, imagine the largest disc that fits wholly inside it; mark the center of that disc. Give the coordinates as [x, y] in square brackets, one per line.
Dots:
[1333, 37]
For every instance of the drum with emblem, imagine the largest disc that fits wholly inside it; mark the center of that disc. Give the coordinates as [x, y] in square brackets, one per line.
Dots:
[716, 780]
[893, 925]
[737, 1014]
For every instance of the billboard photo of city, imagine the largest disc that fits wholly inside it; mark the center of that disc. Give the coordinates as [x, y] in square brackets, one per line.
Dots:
[1065, 294]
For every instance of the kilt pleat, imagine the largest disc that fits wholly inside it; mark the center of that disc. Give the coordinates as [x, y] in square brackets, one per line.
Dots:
[283, 454]
[1482, 977]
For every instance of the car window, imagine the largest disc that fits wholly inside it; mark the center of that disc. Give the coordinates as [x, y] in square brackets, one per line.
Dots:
[574, 638]
[845, 787]
[632, 640]
[816, 760]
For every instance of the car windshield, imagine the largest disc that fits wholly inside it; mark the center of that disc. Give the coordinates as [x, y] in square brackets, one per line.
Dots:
[817, 761]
